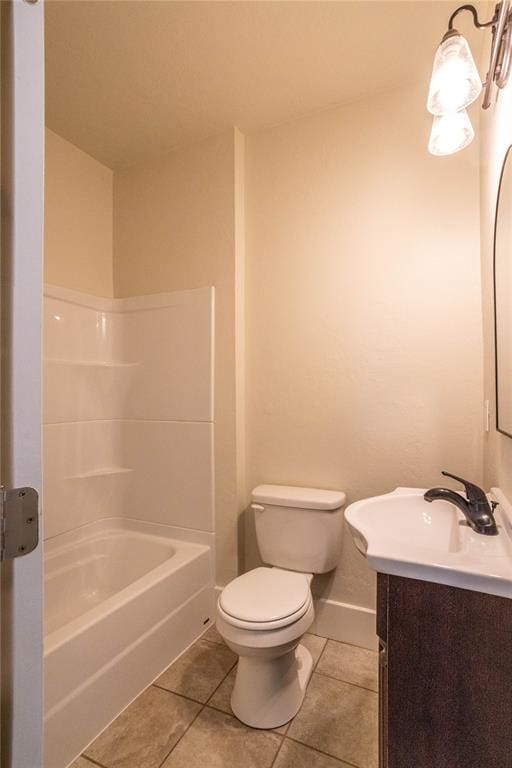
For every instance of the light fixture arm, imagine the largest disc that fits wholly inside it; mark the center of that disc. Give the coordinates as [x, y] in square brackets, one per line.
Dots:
[478, 24]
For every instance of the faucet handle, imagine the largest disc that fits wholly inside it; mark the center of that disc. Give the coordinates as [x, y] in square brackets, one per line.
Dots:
[474, 493]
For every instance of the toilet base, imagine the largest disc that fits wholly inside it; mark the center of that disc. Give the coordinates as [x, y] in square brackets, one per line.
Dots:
[269, 692]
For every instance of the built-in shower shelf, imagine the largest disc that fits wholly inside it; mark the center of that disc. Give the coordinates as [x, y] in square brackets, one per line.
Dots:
[92, 363]
[102, 472]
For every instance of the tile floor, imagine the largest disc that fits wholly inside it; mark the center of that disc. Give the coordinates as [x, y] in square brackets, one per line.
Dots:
[184, 719]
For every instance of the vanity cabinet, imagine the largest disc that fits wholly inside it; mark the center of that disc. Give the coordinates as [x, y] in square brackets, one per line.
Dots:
[445, 667]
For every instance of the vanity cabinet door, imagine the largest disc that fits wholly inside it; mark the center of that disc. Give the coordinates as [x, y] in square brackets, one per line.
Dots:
[382, 632]
[446, 700]
[383, 704]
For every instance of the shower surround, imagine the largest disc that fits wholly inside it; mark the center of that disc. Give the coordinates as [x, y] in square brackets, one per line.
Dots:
[128, 499]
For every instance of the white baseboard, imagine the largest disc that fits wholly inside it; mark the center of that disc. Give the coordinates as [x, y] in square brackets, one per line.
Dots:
[342, 621]
[345, 622]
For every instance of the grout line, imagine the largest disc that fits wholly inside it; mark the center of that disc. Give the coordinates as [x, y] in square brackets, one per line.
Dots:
[90, 760]
[315, 665]
[189, 726]
[175, 693]
[218, 709]
[184, 695]
[340, 680]
[353, 645]
[223, 712]
[203, 707]
[219, 685]
[343, 642]
[277, 753]
[322, 752]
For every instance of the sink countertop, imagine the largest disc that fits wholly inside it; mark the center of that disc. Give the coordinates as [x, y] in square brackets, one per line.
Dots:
[401, 534]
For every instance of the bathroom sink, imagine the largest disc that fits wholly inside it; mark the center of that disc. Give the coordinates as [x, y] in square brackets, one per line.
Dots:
[401, 534]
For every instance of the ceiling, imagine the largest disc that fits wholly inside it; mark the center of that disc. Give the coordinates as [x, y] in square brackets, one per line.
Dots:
[130, 80]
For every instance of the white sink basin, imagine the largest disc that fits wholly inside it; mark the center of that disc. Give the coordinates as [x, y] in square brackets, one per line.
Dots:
[402, 534]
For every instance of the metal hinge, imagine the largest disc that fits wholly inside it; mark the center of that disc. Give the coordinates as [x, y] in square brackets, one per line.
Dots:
[19, 522]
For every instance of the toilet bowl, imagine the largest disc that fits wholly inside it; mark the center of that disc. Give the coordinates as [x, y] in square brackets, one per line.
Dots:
[263, 614]
[273, 669]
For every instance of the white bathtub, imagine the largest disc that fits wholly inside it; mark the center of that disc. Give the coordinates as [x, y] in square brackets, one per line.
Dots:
[123, 599]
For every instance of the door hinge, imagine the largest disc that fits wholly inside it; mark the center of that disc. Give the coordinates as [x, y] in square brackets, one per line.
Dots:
[19, 522]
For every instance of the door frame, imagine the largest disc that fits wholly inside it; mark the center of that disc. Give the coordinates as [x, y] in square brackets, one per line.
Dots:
[22, 161]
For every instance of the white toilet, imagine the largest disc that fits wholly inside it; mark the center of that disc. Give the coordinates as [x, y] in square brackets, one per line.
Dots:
[263, 614]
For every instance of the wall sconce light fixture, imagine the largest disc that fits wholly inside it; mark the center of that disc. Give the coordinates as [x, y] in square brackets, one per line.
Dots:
[455, 82]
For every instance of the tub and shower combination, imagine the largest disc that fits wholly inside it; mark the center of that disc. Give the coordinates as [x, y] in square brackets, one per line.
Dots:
[129, 580]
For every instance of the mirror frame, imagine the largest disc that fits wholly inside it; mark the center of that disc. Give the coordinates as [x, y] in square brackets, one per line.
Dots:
[502, 173]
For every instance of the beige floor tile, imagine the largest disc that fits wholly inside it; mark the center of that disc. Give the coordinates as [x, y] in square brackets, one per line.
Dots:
[339, 719]
[221, 699]
[351, 664]
[145, 732]
[315, 645]
[217, 740]
[199, 671]
[293, 755]
[213, 636]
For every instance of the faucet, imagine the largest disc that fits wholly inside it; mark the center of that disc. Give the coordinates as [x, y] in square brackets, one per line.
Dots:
[476, 508]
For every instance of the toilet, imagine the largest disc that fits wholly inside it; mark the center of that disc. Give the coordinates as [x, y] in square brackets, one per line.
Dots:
[263, 614]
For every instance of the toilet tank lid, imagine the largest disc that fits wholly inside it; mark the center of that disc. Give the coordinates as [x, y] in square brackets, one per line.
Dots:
[303, 498]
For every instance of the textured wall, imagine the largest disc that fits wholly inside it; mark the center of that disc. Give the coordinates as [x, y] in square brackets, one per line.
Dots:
[364, 342]
[78, 219]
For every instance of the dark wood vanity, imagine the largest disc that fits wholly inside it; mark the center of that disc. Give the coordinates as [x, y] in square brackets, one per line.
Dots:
[445, 676]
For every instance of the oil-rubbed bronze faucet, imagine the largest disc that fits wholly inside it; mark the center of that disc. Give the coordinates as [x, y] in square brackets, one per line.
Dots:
[476, 508]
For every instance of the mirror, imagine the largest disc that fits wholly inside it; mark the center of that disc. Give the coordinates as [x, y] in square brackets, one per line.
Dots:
[503, 298]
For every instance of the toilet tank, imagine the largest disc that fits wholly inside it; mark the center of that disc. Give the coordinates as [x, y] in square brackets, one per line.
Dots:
[299, 529]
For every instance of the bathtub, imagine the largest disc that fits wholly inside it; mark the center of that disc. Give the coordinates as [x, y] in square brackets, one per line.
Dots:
[123, 599]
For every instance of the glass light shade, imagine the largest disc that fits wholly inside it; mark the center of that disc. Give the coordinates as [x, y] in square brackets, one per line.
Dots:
[450, 133]
[455, 81]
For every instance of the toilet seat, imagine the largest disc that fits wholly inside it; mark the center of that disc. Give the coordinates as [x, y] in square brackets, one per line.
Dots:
[265, 599]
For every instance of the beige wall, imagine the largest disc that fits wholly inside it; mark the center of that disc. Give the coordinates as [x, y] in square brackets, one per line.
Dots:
[175, 228]
[363, 338]
[496, 130]
[78, 219]
[364, 341]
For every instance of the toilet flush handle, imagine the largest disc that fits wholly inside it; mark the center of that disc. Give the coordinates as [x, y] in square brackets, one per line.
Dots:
[257, 508]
